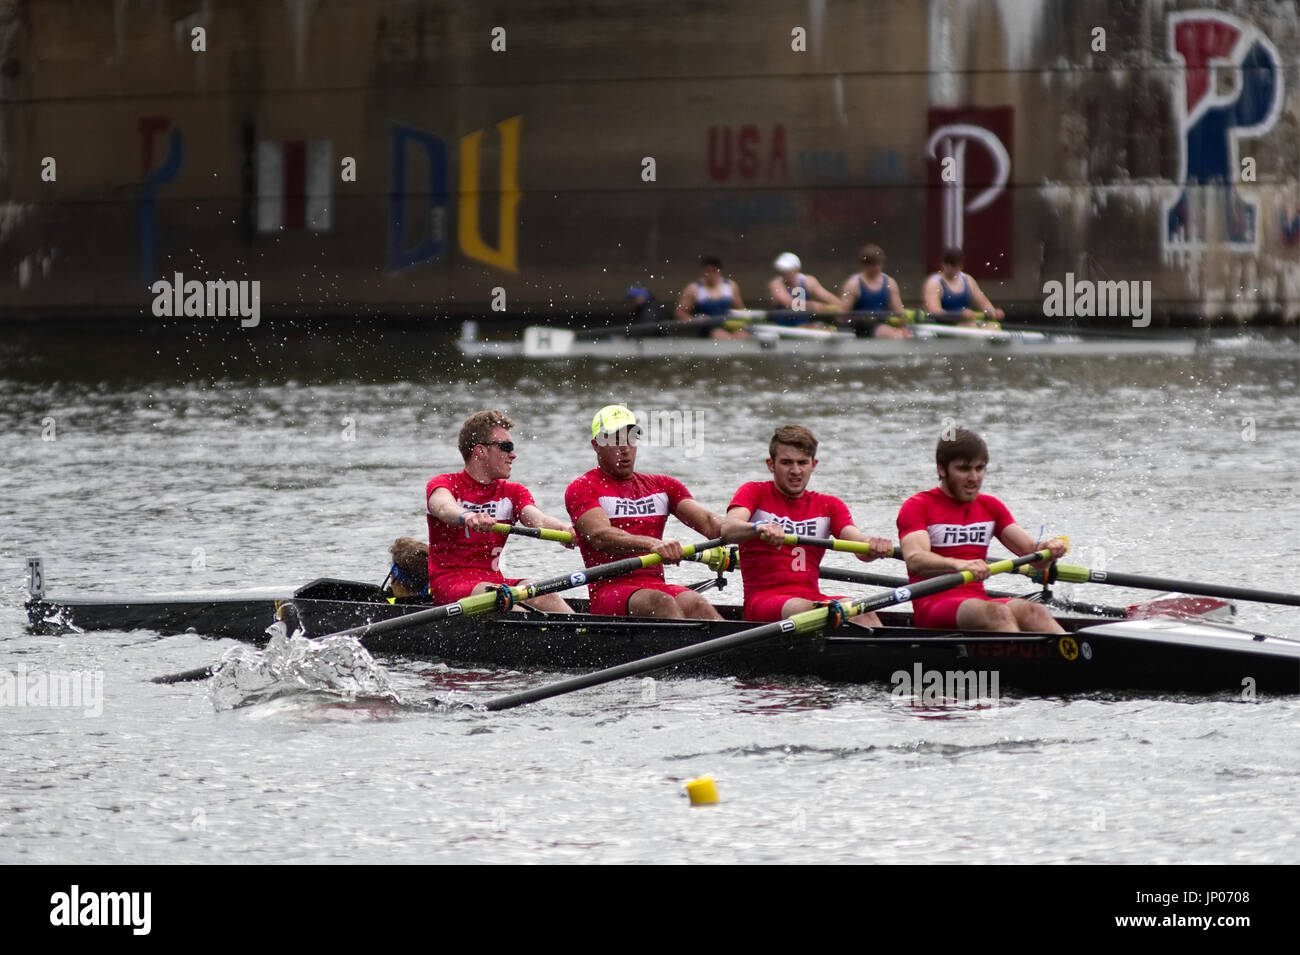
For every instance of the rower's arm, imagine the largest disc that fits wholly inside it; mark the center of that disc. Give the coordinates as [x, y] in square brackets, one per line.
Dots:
[781, 296]
[736, 301]
[444, 507]
[595, 527]
[686, 304]
[699, 518]
[895, 298]
[880, 546]
[933, 305]
[533, 516]
[921, 560]
[1017, 540]
[849, 293]
[982, 301]
[816, 288]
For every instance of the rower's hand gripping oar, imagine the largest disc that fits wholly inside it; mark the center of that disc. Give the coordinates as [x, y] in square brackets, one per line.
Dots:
[1082, 575]
[870, 579]
[810, 621]
[505, 597]
[835, 543]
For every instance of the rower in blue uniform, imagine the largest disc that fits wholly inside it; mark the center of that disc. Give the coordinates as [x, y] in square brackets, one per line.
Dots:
[952, 295]
[871, 290]
[708, 300]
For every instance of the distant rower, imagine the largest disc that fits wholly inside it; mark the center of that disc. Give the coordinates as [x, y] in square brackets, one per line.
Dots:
[711, 297]
[871, 290]
[794, 290]
[464, 554]
[780, 580]
[619, 513]
[949, 528]
[953, 294]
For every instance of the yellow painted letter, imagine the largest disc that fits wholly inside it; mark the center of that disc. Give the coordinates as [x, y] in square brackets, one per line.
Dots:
[505, 256]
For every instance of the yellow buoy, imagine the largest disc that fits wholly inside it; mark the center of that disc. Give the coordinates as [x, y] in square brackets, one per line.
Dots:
[702, 791]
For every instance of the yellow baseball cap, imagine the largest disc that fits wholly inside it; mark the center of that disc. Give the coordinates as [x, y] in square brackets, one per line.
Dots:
[610, 419]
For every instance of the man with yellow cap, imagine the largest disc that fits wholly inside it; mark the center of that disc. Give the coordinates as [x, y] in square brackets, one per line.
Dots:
[618, 512]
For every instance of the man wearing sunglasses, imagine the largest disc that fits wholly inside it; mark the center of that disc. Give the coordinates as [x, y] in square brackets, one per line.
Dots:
[464, 554]
[620, 512]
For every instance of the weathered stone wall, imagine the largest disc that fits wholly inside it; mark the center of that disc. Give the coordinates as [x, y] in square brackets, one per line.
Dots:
[524, 169]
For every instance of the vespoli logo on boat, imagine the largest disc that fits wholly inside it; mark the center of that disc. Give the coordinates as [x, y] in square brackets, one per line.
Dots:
[929, 687]
[211, 299]
[57, 688]
[668, 428]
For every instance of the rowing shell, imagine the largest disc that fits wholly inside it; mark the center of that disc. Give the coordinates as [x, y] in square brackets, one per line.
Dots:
[545, 343]
[1148, 655]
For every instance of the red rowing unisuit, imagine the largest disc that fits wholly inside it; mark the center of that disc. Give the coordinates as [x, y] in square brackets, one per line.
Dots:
[640, 505]
[957, 530]
[459, 559]
[773, 575]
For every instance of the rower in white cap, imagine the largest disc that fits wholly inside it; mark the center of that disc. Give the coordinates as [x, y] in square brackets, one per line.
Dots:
[796, 291]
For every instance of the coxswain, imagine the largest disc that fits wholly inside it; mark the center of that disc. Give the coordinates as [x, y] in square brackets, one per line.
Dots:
[871, 290]
[464, 553]
[409, 574]
[949, 528]
[953, 295]
[780, 580]
[619, 512]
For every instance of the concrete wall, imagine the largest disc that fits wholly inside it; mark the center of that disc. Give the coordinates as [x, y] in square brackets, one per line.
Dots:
[523, 169]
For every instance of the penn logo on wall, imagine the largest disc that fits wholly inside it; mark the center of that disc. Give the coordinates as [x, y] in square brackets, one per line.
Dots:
[1229, 89]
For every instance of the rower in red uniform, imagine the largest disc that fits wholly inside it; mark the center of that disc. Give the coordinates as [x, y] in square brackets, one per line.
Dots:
[619, 512]
[949, 528]
[780, 580]
[464, 554]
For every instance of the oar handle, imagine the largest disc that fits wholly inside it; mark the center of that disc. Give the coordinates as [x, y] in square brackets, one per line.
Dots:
[542, 533]
[815, 619]
[835, 543]
[811, 620]
[1072, 573]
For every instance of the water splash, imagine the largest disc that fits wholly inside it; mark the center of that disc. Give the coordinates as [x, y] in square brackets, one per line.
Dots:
[295, 664]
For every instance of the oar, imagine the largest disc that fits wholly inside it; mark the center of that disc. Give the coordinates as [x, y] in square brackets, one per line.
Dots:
[1082, 575]
[502, 598]
[810, 621]
[544, 533]
[885, 580]
[834, 543]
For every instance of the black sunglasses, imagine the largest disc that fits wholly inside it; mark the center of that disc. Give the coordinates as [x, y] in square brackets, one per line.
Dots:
[506, 446]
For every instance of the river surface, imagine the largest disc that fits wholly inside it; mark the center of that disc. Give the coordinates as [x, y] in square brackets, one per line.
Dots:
[174, 463]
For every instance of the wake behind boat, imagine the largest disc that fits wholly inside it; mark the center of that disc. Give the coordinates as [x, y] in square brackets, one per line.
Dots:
[1160, 654]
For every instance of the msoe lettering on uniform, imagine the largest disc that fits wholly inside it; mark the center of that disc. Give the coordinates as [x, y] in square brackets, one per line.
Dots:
[77, 908]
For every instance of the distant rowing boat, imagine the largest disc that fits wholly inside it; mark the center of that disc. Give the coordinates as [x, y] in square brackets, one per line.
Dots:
[1139, 655]
[768, 337]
